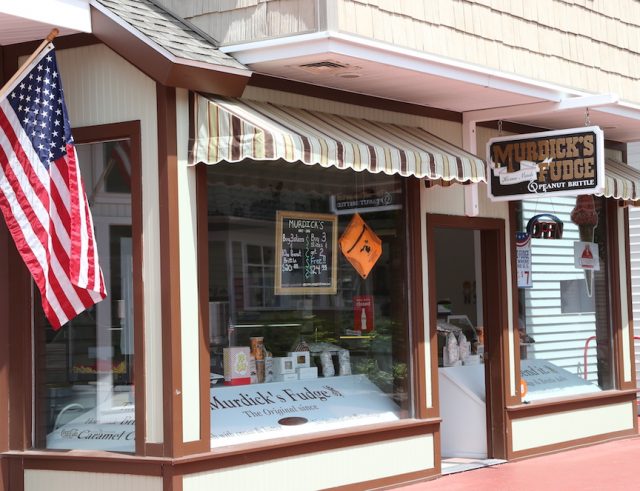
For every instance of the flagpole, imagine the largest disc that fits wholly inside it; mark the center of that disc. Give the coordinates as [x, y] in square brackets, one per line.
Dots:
[54, 32]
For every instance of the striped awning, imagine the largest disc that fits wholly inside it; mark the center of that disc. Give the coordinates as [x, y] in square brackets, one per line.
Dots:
[621, 181]
[231, 130]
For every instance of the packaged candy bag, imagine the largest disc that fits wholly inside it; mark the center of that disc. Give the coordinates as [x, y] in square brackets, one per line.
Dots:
[326, 361]
[453, 351]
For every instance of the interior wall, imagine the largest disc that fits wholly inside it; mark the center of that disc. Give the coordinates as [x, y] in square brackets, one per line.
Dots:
[456, 270]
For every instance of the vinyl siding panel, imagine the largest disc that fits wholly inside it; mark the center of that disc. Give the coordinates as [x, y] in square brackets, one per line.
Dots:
[240, 21]
[633, 156]
[559, 338]
[100, 88]
[550, 429]
[568, 43]
[323, 470]
[38, 480]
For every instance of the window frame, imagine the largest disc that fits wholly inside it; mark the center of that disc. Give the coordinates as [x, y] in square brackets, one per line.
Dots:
[423, 420]
[614, 306]
[131, 131]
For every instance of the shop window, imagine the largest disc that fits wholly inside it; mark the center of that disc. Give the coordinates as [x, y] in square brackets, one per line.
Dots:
[84, 370]
[564, 325]
[299, 353]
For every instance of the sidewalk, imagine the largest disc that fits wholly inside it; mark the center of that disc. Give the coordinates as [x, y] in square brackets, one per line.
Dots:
[608, 466]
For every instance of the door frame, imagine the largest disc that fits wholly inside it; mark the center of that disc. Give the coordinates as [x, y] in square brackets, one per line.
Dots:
[495, 315]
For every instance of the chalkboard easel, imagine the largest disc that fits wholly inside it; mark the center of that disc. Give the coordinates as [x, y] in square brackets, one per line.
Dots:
[306, 253]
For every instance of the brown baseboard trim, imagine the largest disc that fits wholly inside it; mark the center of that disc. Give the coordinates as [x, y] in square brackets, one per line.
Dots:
[284, 448]
[106, 464]
[112, 463]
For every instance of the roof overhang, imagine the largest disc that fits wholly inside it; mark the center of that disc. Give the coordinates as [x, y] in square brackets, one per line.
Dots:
[397, 73]
[160, 64]
[30, 20]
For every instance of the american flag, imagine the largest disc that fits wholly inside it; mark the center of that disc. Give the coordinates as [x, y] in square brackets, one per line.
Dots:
[42, 196]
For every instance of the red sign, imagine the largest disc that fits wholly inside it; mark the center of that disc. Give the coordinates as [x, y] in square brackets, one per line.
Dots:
[363, 313]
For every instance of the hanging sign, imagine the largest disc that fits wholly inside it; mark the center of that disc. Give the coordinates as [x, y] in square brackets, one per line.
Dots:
[586, 256]
[523, 259]
[552, 163]
[343, 204]
[360, 245]
[362, 314]
[306, 256]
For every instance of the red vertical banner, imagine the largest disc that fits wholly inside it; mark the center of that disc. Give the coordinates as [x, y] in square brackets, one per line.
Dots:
[363, 313]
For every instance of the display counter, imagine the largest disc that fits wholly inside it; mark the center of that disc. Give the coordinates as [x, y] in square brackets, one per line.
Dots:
[463, 410]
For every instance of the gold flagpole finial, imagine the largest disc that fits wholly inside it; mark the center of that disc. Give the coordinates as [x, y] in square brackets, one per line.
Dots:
[54, 32]
[52, 35]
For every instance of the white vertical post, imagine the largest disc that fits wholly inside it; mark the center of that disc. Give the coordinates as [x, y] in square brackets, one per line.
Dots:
[471, 207]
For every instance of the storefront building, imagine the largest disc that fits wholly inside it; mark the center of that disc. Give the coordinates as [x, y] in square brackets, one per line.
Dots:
[306, 270]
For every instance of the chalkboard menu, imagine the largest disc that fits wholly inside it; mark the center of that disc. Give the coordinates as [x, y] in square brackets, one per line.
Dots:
[306, 253]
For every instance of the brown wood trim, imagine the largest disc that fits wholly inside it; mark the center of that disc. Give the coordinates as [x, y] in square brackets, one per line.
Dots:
[629, 293]
[434, 410]
[515, 309]
[20, 356]
[389, 482]
[14, 51]
[5, 333]
[203, 289]
[560, 404]
[437, 453]
[171, 481]
[16, 474]
[615, 292]
[108, 462]
[160, 68]
[572, 444]
[169, 270]
[170, 291]
[416, 310]
[130, 130]
[496, 317]
[154, 449]
[4, 474]
[301, 88]
[252, 453]
[140, 467]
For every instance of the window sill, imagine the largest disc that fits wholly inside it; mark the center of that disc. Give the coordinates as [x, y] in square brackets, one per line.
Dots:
[102, 461]
[328, 440]
[568, 403]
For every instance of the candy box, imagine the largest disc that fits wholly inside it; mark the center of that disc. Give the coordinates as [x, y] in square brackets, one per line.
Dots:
[300, 359]
[283, 364]
[236, 362]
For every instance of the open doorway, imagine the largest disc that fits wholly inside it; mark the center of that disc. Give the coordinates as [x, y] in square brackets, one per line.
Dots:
[468, 325]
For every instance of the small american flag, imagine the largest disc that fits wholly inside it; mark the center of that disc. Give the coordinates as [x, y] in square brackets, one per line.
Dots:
[42, 196]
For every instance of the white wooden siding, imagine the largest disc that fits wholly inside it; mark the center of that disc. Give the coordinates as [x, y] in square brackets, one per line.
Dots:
[633, 156]
[550, 429]
[100, 87]
[589, 45]
[559, 338]
[323, 470]
[238, 21]
[38, 480]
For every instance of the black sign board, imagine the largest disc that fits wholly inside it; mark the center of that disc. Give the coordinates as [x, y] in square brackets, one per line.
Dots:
[306, 253]
[553, 163]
